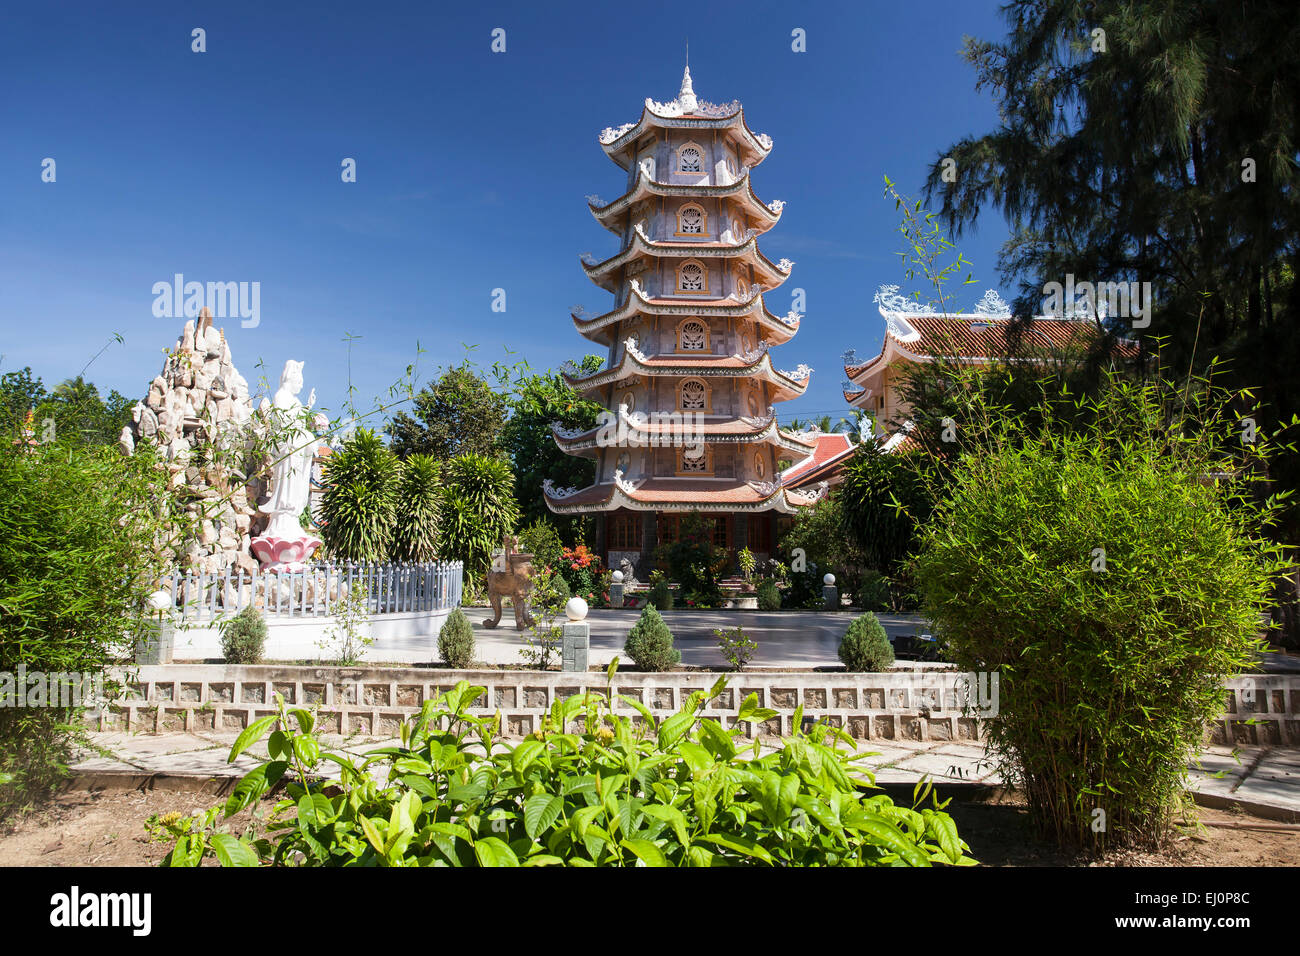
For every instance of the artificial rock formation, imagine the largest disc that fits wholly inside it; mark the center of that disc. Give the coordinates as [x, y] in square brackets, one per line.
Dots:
[197, 404]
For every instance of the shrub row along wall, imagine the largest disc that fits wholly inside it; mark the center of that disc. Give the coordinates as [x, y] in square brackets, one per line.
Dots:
[895, 705]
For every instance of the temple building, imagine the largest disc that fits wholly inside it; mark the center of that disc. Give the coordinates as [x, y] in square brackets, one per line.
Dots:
[689, 384]
[918, 333]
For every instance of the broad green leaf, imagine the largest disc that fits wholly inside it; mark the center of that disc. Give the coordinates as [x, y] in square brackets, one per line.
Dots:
[647, 852]
[887, 835]
[540, 811]
[672, 816]
[491, 851]
[696, 757]
[231, 851]
[523, 756]
[738, 843]
[251, 735]
[305, 719]
[315, 809]
[372, 833]
[253, 784]
[674, 728]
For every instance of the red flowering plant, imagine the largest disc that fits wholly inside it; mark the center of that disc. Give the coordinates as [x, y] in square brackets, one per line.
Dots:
[580, 568]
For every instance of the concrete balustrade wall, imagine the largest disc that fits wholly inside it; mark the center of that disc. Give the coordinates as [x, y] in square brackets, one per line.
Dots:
[914, 705]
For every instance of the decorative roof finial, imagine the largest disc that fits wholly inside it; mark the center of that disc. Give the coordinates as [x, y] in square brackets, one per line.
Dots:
[686, 98]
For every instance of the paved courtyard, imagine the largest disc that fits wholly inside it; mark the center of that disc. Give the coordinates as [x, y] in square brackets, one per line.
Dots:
[784, 638]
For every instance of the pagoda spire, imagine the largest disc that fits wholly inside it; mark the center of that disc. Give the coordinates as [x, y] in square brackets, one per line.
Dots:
[686, 98]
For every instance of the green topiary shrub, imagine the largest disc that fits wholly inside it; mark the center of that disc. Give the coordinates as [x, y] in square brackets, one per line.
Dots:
[419, 502]
[359, 506]
[865, 646]
[456, 640]
[661, 594]
[562, 591]
[650, 643]
[769, 595]
[243, 637]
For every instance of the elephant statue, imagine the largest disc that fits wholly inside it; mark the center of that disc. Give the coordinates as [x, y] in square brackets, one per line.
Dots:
[511, 575]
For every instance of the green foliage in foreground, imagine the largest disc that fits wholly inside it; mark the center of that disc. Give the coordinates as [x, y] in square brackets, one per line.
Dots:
[612, 793]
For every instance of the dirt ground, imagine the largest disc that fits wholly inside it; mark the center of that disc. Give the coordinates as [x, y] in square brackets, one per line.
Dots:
[107, 828]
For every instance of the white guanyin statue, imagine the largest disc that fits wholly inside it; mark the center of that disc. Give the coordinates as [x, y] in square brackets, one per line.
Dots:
[284, 543]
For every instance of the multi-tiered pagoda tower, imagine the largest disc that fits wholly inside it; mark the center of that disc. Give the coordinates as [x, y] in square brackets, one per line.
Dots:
[689, 382]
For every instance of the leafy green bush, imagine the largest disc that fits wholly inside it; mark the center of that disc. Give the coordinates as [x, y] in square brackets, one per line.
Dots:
[456, 640]
[865, 645]
[606, 793]
[478, 509]
[359, 506]
[660, 595]
[873, 593]
[1113, 581]
[419, 503]
[243, 637]
[805, 591]
[650, 643]
[80, 530]
[875, 485]
[826, 543]
[769, 595]
[545, 638]
[346, 639]
[693, 562]
[736, 646]
[541, 539]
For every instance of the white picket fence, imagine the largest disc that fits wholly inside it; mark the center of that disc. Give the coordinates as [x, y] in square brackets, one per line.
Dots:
[387, 588]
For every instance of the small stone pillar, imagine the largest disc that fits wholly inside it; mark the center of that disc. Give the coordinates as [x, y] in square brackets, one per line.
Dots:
[616, 589]
[575, 636]
[156, 639]
[830, 593]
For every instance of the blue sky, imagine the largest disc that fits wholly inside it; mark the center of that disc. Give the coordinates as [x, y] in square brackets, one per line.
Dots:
[471, 171]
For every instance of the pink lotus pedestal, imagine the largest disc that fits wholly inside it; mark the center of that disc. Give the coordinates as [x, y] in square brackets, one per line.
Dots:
[284, 554]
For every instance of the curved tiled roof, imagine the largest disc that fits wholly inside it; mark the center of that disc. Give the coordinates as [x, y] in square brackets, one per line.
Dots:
[681, 494]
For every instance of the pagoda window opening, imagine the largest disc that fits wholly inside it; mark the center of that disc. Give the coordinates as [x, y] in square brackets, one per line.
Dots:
[623, 532]
[694, 460]
[691, 220]
[693, 396]
[722, 533]
[759, 468]
[693, 336]
[668, 528]
[690, 158]
[692, 277]
[760, 533]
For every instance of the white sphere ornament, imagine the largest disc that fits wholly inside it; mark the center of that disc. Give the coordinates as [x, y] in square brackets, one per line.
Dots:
[617, 577]
[828, 580]
[158, 601]
[576, 609]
